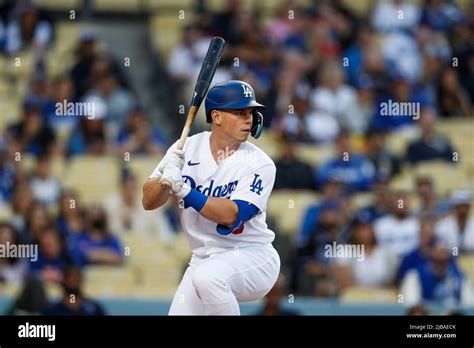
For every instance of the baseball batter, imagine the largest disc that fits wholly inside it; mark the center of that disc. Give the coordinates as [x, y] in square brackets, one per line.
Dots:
[223, 183]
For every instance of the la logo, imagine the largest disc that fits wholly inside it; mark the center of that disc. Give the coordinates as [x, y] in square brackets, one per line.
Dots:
[247, 91]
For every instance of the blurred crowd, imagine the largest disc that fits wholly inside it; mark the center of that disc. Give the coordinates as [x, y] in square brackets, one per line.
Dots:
[324, 72]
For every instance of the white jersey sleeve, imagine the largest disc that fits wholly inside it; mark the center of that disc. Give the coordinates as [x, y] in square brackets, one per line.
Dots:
[156, 172]
[256, 185]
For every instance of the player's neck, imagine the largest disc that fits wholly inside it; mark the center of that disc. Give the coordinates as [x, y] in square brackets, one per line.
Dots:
[222, 147]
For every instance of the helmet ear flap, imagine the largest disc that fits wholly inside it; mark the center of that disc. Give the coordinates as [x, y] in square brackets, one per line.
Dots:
[257, 124]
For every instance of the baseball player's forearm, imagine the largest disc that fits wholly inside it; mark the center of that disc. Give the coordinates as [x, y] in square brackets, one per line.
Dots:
[154, 195]
[220, 210]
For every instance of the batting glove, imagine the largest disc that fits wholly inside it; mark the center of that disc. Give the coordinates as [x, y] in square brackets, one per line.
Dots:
[174, 157]
[172, 174]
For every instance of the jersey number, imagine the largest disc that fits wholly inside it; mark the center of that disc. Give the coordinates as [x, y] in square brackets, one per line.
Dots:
[256, 185]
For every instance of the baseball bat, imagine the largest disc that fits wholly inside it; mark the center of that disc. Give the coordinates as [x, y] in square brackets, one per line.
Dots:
[208, 69]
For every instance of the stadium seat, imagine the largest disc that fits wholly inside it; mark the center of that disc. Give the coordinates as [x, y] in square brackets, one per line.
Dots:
[166, 31]
[10, 111]
[59, 4]
[142, 166]
[466, 263]
[118, 5]
[93, 177]
[288, 207]
[313, 154]
[170, 4]
[369, 295]
[446, 176]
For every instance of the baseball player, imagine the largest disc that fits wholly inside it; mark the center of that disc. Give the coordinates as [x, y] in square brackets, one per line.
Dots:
[223, 183]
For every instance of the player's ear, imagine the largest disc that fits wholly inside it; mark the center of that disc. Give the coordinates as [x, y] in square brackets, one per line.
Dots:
[216, 117]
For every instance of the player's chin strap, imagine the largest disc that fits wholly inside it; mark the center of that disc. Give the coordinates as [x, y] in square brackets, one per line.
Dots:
[257, 124]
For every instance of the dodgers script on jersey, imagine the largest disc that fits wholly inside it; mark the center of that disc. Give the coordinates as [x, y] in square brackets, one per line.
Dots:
[248, 175]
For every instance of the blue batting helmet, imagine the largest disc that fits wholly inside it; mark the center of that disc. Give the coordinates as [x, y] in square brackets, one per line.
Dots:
[234, 94]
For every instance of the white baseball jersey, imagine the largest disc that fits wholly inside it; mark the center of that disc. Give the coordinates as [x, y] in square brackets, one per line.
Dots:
[248, 175]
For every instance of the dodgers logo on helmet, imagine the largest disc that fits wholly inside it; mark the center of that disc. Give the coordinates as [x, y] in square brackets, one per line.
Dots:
[233, 94]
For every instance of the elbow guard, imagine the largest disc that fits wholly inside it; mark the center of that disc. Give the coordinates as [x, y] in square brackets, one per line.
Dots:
[245, 212]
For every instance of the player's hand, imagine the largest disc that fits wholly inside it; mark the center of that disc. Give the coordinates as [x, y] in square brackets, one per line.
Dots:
[175, 157]
[172, 174]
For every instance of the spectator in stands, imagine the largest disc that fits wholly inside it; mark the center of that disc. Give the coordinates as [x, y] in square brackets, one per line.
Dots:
[62, 91]
[118, 101]
[417, 310]
[31, 135]
[182, 60]
[273, 300]
[331, 191]
[452, 98]
[37, 220]
[89, 137]
[385, 161]
[398, 231]
[437, 280]
[440, 15]
[52, 256]
[386, 15]
[374, 267]
[21, 203]
[421, 254]
[399, 91]
[311, 253]
[138, 136]
[126, 214]
[429, 200]
[32, 298]
[86, 53]
[457, 229]
[46, 188]
[352, 168]
[333, 96]
[97, 245]
[71, 216]
[12, 269]
[430, 146]
[7, 174]
[305, 125]
[74, 302]
[292, 173]
[28, 31]
[381, 205]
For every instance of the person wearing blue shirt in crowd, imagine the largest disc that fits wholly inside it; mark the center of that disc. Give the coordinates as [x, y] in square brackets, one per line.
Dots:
[31, 134]
[436, 280]
[311, 255]
[52, 256]
[7, 174]
[430, 146]
[74, 302]
[138, 136]
[421, 254]
[399, 107]
[97, 245]
[353, 169]
[381, 204]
